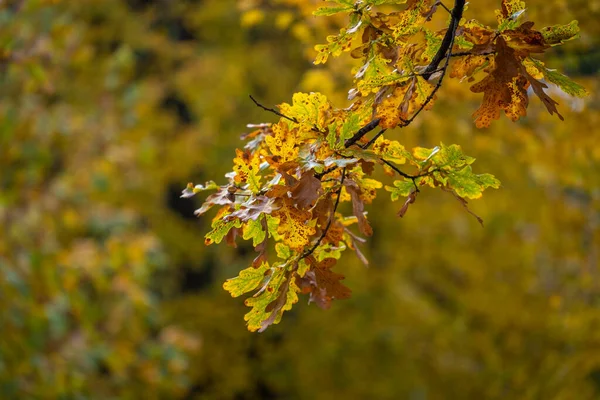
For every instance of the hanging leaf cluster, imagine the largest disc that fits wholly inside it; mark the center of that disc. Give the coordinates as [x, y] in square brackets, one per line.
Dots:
[285, 190]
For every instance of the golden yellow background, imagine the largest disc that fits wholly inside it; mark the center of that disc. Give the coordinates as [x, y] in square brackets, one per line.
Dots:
[109, 107]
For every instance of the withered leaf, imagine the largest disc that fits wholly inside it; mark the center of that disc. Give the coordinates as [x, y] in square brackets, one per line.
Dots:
[307, 190]
[409, 200]
[358, 207]
[323, 284]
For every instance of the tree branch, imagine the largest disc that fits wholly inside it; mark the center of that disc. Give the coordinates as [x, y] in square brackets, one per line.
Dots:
[444, 52]
[362, 132]
[448, 41]
[272, 110]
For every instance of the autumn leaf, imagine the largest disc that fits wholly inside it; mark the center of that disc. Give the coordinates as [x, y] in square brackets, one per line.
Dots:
[295, 226]
[191, 190]
[223, 196]
[282, 144]
[558, 34]
[247, 168]
[306, 191]
[504, 89]
[390, 150]
[278, 295]
[220, 230]
[323, 284]
[358, 207]
[248, 280]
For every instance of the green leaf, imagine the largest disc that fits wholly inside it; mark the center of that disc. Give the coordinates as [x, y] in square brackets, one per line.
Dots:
[558, 34]
[562, 81]
[248, 280]
[402, 188]
[390, 150]
[375, 74]
[220, 230]
[467, 184]
[283, 251]
[350, 127]
[327, 11]
[253, 230]
[303, 267]
[277, 296]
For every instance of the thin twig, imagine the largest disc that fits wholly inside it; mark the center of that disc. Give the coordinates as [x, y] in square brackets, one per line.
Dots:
[335, 206]
[273, 110]
[445, 8]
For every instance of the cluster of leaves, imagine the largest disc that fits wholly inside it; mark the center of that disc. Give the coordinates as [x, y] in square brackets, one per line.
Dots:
[290, 178]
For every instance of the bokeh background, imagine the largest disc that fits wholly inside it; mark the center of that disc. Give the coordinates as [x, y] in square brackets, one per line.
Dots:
[109, 107]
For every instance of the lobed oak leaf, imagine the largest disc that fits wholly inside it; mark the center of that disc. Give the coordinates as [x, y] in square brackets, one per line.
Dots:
[323, 284]
[220, 229]
[402, 188]
[560, 80]
[295, 226]
[558, 34]
[254, 229]
[278, 295]
[283, 251]
[538, 88]
[254, 208]
[306, 191]
[246, 166]
[248, 280]
[282, 145]
[467, 184]
[223, 196]
[504, 88]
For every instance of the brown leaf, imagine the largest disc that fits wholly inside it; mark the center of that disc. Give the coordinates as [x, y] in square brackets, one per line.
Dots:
[409, 200]
[323, 284]
[307, 190]
[538, 88]
[254, 208]
[503, 89]
[223, 196]
[322, 210]
[232, 235]
[358, 207]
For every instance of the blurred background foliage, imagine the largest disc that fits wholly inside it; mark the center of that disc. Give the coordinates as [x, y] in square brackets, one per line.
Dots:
[109, 107]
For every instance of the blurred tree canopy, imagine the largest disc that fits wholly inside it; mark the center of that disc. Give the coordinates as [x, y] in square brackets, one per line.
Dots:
[107, 109]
